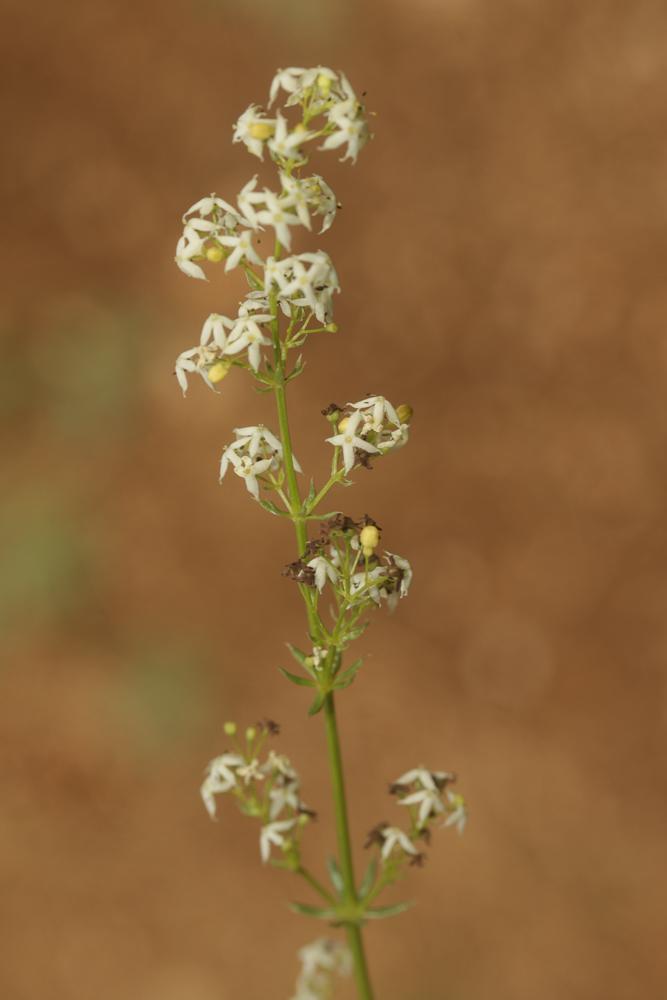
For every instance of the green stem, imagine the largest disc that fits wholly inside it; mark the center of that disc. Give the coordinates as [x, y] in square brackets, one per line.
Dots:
[343, 832]
[355, 941]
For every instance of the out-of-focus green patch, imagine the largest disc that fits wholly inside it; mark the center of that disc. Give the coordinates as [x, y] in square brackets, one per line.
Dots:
[160, 696]
[90, 372]
[44, 563]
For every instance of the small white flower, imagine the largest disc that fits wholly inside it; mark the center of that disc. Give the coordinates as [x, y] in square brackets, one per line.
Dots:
[272, 833]
[288, 80]
[253, 129]
[243, 250]
[458, 815]
[353, 131]
[349, 441]
[428, 779]
[214, 329]
[323, 571]
[365, 585]
[377, 411]
[428, 799]
[220, 778]
[247, 334]
[276, 214]
[394, 837]
[190, 245]
[250, 771]
[284, 144]
[278, 763]
[209, 205]
[323, 955]
[405, 579]
[283, 795]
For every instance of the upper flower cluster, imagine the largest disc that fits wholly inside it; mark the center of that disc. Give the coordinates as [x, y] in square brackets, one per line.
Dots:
[330, 111]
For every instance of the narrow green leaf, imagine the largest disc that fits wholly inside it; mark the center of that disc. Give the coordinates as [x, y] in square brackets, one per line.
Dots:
[313, 911]
[295, 679]
[312, 493]
[346, 678]
[298, 655]
[382, 912]
[335, 875]
[368, 880]
[272, 508]
[317, 704]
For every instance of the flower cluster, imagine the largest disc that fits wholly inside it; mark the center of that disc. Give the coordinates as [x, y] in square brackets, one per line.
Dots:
[254, 456]
[344, 555]
[372, 426]
[320, 961]
[428, 797]
[266, 789]
[330, 110]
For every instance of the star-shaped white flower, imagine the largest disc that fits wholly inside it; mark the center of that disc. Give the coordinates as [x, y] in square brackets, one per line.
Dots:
[353, 131]
[428, 779]
[377, 411]
[394, 837]
[190, 245]
[246, 333]
[283, 795]
[458, 815]
[284, 144]
[243, 250]
[245, 467]
[348, 441]
[277, 215]
[323, 571]
[253, 129]
[214, 329]
[220, 778]
[427, 798]
[288, 80]
[272, 834]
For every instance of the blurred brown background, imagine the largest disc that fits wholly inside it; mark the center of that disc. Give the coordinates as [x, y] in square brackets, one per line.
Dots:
[502, 256]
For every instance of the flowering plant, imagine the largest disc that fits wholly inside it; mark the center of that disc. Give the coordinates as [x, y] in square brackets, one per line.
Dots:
[291, 298]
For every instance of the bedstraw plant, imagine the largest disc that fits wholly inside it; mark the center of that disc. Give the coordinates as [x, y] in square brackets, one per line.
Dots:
[339, 569]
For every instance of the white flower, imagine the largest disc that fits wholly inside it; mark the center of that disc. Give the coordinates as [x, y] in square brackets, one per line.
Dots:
[283, 795]
[323, 570]
[243, 249]
[427, 778]
[246, 333]
[365, 585]
[287, 79]
[321, 199]
[377, 411]
[190, 245]
[284, 144]
[278, 763]
[323, 955]
[214, 329]
[427, 798]
[245, 467]
[306, 279]
[458, 815]
[220, 778]
[253, 129]
[350, 130]
[394, 837]
[406, 572]
[275, 214]
[349, 441]
[209, 205]
[272, 833]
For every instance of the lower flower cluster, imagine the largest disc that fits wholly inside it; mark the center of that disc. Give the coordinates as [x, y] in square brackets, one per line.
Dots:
[320, 962]
[267, 789]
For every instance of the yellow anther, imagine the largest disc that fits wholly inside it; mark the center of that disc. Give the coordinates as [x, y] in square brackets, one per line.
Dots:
[369, 536]
[404, 413]
[261, 130]
[215, 254]
[219, 370]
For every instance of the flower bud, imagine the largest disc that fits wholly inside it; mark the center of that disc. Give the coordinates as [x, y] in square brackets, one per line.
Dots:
[261, 130]
[331, 327]
[369, 536]
[342, 424]
[219, 370]
[324, 83]
[229, 728]
[214, 254]
[404, 413]
[250, 734]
